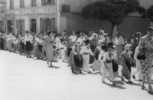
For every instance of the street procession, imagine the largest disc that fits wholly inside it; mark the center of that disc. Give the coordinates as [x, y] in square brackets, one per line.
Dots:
[76, 49]
[90, 53]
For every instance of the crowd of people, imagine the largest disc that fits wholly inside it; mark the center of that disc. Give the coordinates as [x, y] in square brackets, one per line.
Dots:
[90, 53]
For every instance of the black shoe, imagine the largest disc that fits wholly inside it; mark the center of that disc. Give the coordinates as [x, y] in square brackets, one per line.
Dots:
[150, 92]
[140, 80]
[50, 66]
[143, 87]
[133, 77]
[129, 82]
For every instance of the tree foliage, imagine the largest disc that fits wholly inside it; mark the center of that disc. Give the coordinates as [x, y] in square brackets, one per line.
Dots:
[150, 13]
[112, 10]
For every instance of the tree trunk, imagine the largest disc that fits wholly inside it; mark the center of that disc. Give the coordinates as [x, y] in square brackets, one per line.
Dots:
[151, 23]
[114, 30]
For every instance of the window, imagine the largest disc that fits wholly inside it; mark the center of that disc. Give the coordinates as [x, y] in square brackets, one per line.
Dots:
[33, 25]
[20, 24]
[65, 8]
[33, 3]
[21, 3]
[11, 4]
[47, 2]
[2, 27]
[51, 2]
[10, 26]
[53, 24]
[47, 24]
[43, 2]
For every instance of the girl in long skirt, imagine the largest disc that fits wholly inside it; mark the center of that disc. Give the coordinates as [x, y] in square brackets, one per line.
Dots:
[86, 52]
[138, 65]
[28, 43]
[21, 44]
[1, 41]
[103, 51]
[107, 67]
[115, 64]
[5, 41]
[97, 64]
[69, 47]
[127, 63]
[38, 47]
[16, 44]
[49, 51]
[10, 39]
[99, 53]
[76, 60]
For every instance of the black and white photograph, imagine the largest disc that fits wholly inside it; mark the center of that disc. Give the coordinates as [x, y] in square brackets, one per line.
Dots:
[76, 49]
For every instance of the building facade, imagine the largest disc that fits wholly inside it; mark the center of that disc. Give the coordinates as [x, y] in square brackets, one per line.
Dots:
[46, 15]
[40, 15]
[71, 7]
[73, 21]
[31, 15]
[75, 5]
[2, 15]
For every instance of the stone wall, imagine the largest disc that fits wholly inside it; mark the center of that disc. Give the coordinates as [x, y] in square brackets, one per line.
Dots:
[129, 26]
[132, 25]
[146, 3]
[77, 5]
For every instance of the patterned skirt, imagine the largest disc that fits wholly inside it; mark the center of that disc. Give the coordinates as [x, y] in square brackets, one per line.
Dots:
[146, 67]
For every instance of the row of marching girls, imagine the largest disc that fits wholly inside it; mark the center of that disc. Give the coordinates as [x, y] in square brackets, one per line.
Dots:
[39, 46]
[17, 43]
[97, 53]
[84, 52]
[144, 60]
[113, 58]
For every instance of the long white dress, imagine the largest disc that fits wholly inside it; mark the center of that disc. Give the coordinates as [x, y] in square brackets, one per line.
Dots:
[102, 67]
[10, 39]
[97, 63]
[107, 68]
[49, 50]
[138, 65]
[85, 52]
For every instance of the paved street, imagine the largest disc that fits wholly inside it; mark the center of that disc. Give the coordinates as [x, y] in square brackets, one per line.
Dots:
[28, 79]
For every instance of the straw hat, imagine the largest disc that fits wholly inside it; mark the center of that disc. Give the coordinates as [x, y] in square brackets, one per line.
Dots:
[94, 34]
[110, 45]
[105, 34]
[127, 46]
[150, 28]
[101, 31]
